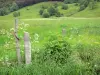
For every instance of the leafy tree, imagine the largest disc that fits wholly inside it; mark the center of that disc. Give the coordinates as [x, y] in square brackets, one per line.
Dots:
[14, 7]
[5, 3]
[3, 11]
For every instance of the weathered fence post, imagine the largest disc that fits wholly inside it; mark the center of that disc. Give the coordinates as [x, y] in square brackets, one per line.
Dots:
[63, 31]
[27, 45]
[17, 42]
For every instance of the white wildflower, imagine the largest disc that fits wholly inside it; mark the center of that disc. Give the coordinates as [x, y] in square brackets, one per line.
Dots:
[12, 29]
[36, 37]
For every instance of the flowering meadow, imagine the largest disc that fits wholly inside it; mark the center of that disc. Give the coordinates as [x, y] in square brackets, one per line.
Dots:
[49, 41]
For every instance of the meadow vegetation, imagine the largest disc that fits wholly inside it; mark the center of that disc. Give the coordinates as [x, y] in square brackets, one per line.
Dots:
[68, 45]
[75, 53]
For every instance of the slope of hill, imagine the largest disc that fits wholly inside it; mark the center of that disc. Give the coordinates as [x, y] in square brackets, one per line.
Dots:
[72, 11]
[89, 13]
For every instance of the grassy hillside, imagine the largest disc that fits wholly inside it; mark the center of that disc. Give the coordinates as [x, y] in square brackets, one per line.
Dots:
[33, 11]
[89, 13]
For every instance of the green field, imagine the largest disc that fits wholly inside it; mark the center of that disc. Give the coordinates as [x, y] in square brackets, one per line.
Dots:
[83, 35]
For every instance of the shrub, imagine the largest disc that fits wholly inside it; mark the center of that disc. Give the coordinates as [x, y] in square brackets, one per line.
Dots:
[83, 4]
[58, 14]
[16, 14]
[82, 7]
[92, 5]
[76, 4]
[41, 11]
[64, 6]
[44, 7]
[3, 11]
[57, 49]
[46, 14]
[55, 5]
[66, 1]
[14, 7]
[52, 10]
[70, 1]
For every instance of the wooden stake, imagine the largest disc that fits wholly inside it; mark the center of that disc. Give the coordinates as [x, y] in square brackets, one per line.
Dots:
[63, 31]
[17, 42]
[27, 45]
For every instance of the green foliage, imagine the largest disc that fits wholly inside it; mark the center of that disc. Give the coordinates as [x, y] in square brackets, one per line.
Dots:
[64, 6]
[86, 54]
[9, 8]
[92, 5]
[14, 7]
[82, 61]
[70, 1]
[41, 11]
[16, 14]
[82, 7]
[46, 14]
[44, 7]
[52, 10]
[58, 14]
[57, 49]
[76, 4]
[55, 4]
[46, 68]
[3, 11]
[5, 3]
[83, 4]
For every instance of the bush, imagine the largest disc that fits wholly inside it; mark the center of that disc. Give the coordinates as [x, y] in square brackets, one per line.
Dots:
[64, 6]
[3, 11]
[41, 11]
[66, 1]
[76, 4]
[46, 14]
[56, 5]
[82, 7]
[92, 5]
[58, 14]
[44, 7]
[57, 50]
[16, 14]
[8, 8]
[83, 4]
[14, 7]
[52, 10]
[70, 1]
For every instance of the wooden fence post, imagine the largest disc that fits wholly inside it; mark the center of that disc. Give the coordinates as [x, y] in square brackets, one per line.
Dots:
[27, 46]
[17, 42]
[64, 32]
